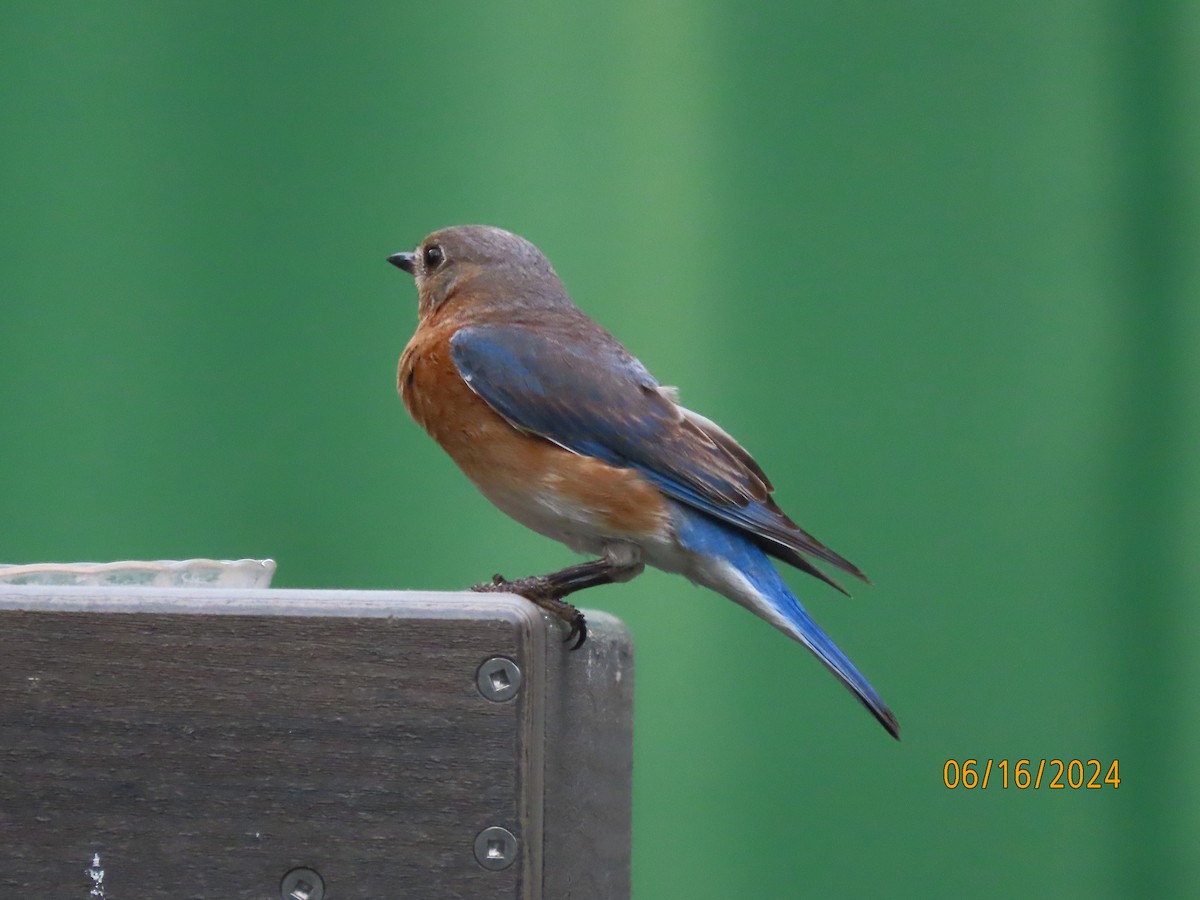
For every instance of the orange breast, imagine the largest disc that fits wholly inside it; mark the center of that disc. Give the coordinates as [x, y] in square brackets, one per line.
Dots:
[511, 467]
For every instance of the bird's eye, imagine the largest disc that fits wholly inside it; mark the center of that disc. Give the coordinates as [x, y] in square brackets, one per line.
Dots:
[432, 257]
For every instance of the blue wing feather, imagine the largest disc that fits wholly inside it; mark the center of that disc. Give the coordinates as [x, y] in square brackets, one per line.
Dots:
[578, 387]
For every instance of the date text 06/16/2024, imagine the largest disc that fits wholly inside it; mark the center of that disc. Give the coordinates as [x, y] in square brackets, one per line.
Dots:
[1023, 774]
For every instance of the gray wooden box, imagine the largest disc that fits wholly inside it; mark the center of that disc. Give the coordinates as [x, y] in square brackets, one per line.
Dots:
[207, 742]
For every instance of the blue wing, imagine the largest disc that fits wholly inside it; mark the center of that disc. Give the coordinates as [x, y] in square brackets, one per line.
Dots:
[573, 384]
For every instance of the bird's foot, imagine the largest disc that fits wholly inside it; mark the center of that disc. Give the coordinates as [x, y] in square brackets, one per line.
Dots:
[542, 590]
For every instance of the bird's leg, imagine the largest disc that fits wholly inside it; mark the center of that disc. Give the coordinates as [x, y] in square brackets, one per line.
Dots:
[547, 591]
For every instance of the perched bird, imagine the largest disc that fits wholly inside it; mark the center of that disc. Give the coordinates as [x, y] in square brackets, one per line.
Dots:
[564, 430]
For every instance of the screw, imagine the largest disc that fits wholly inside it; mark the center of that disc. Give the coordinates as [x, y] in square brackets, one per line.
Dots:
[495, 848]
[498, 679]
[302, 884]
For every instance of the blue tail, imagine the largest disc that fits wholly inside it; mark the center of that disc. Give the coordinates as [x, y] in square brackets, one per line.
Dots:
[775, 602]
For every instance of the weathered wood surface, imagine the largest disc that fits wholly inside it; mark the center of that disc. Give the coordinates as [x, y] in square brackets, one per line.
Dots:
[205, 742]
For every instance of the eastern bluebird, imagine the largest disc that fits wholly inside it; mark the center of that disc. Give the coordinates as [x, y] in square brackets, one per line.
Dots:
[564, 430]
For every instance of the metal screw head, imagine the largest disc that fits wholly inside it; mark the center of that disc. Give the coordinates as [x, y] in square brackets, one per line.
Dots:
[302, 884]
[495, 848]
[498, 679]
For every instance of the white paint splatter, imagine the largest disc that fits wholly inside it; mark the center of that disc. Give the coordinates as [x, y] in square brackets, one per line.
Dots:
[96, 873]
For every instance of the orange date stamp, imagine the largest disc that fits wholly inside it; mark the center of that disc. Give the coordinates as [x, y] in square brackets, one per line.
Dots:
[1031, 774]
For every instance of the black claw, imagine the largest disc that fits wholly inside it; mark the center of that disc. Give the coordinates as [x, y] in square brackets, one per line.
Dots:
[578, 628]
[497, 583]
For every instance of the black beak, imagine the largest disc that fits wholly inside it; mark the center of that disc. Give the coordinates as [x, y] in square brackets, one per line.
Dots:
[403, 261]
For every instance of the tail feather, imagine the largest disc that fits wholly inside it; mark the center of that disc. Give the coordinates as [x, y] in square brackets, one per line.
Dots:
[731, 564]
[807, 632]
[792, 557]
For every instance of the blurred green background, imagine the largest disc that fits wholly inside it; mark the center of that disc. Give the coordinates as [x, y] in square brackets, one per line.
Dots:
[937, 265]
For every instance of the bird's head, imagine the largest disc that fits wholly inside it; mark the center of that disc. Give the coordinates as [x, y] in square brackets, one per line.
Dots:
[498, 267]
